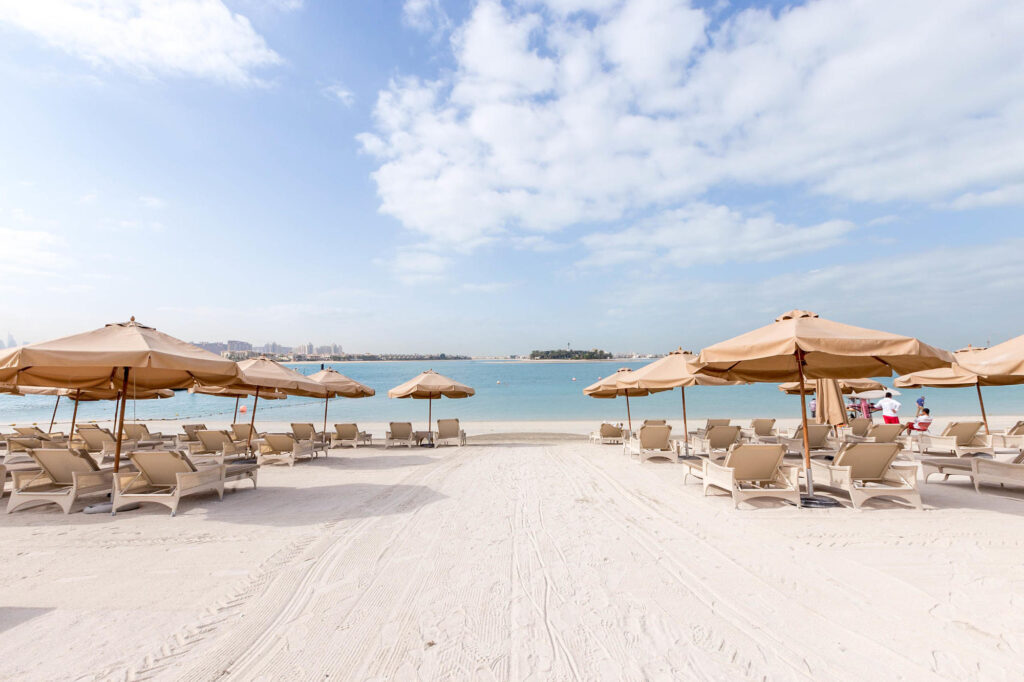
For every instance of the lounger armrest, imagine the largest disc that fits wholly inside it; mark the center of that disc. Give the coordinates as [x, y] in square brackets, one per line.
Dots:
[126, 481]
[902, 472]
[789, 475]
[700, 444]
[204, 476]
[716, 474]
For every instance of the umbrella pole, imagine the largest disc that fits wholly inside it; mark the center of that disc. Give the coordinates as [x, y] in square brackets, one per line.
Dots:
[235, 418]
[120, 426]
[54, 415]
[252, 424]
[629, 417]
[981, 402]
[430, 418]
[810, 499]
[74, 416]
[686, 427]
[326, 400]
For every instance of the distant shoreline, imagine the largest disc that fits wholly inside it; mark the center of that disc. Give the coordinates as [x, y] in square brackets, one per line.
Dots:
[494, 361]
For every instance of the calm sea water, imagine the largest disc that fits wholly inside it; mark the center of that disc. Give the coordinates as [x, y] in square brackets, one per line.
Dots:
[506, 391]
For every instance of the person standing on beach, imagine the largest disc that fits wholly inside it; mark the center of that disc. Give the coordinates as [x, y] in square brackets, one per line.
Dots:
[890, 409]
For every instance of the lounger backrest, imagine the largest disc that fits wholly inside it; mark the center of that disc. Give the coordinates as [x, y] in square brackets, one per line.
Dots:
[721, 437]
[242, 431]
[610, 431]
[279, 442]
[303, 431]
[136, 431]
[213, 441]
[191, 429]
[1016, 430]
[60, 464]
[32, 432]
[347, 431]
[867, 461]
[755, 462]
[762, 427]
[447, 428]
[717, 422]
[401, 430]
[859, 426]
[885, 433]
[23, 444]
[161, 467]
[655, 436]
[654, 422]
[817, 435]
[96, 438]
[963, 431]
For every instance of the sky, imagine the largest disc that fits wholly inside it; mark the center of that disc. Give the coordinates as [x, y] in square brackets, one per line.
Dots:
[488, 177]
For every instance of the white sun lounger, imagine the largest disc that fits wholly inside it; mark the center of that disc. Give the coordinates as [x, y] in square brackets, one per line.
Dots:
[653, 442]
[399, 433]
[866, 470]
[349, 434]
[164, 477]
[449, 433]
[282, 447]
[63, 476]
[752, 471]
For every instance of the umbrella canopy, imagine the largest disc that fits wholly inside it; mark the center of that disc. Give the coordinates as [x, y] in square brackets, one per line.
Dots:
[801, 345]
[846, 386]
[340, 385]
[128, 355]
[826, 350]
[96, 359]
[1001, 365]
[87, 394]
[874, 394]
[236, 392]
[430, 385]
[264, 373]
[830, 406]
[622, 382]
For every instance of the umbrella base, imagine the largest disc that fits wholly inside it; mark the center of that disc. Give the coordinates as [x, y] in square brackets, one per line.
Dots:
[426, 445]
[106, 507]
[818, 501]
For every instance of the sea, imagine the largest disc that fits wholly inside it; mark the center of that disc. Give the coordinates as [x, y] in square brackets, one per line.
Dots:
[505, 391]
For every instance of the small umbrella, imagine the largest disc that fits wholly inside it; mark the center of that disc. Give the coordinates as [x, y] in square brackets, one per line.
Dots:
[846, 386]
[262, 373]
[127, 355]
[801, 345]
[678, 368]
[430, 385]
[622, 382]
[235, 392]
[340, 386]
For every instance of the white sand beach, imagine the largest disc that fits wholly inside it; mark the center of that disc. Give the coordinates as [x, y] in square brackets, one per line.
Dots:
[516, 557]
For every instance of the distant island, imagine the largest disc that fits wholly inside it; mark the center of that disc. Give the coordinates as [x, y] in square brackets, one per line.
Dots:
[566, 354]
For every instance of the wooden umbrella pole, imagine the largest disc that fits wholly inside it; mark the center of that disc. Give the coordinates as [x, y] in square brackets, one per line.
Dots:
[981, 402]
[326, 400]
[120, 427]
[686, 427]
[74, 416]
[430, 418]
[54, 415]
[803, 420]
[235, 418]
[629, 416]
[252, 423]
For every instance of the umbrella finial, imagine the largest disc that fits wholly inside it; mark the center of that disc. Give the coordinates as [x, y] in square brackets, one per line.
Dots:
[795, 314]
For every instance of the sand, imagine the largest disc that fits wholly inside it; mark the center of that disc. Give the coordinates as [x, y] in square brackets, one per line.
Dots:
[517, 557]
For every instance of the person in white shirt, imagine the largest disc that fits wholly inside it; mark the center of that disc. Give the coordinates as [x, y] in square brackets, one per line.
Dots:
[921, 423]
[890, 409]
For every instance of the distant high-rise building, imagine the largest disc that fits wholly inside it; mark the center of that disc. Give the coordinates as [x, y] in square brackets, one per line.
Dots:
[217, 347]
[239, 345]
[11, 343]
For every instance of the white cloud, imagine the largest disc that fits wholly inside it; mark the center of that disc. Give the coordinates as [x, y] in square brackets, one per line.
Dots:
[339, 92]
[554, 117]
[29, 253]
[425, 15]
[702, 234]
[1010, 194]
[152, 202]
[417, 266]
[199, 38]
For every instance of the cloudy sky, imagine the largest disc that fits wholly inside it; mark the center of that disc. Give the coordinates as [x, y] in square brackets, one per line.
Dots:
[490, 177]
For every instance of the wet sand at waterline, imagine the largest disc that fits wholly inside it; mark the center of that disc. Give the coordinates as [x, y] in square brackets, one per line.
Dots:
[515, 557]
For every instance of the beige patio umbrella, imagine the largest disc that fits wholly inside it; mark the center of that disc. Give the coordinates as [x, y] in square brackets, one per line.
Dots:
[83, 395]
[801, 345]
[678, 368]
[831, 409]
[846, 386]
[340, 386]
[622, 382]
[429, 386]
[235, 392]
[1001, 365]
[127, 355]
[263, 374]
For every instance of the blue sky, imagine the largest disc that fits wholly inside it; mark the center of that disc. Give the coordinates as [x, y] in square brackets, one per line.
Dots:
[488, 177]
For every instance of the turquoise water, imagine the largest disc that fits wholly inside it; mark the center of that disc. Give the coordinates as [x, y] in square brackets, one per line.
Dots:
[527, 391]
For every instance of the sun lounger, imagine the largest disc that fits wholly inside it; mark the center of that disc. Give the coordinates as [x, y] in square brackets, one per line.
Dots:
[958, 438]
[23, 445]
[36, 432]
[956, 466]
[188, 435]
[449, 433]
[859, 426]
[761, 431]
[399, 433]
[994, 472]
[866, 470]
[308, 432]
[282, 447]
[653, 442]
[751, 471]
[607, 434]
[140, 434]
[217, 443]
[654, 422]
[62, 477]
[817, 438]
[1010, 439]
[164, 477]
[101, 443]
[877, 433]
[349, 434]
[240, 432]
[718, 438]
[701, 432]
